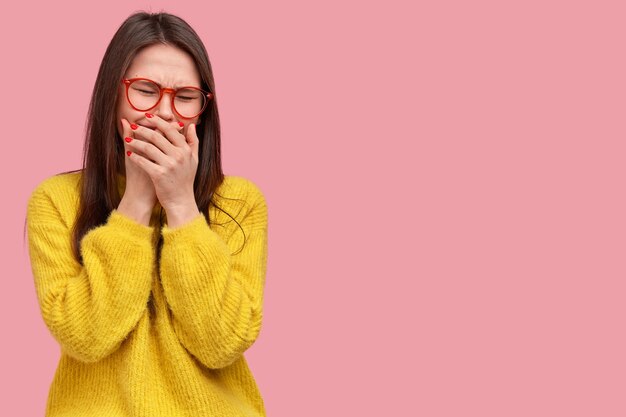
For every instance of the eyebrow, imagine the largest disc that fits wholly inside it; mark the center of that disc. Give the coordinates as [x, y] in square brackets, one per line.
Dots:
[178, 85]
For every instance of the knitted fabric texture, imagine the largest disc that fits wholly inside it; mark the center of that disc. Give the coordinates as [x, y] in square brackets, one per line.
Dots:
[142, 336]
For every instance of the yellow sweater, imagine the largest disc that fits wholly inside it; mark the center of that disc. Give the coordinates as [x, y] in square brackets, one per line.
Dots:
[141, 339]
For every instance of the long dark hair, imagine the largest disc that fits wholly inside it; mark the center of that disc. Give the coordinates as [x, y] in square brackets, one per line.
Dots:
[103, 152]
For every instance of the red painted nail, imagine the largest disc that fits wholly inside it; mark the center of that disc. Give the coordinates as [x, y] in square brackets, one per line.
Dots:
[148, 115]
[133, 126]
[128, 153]
[181, 124]
[128, 139]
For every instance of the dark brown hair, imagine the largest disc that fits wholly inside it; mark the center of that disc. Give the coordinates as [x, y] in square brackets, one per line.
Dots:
[103, 152]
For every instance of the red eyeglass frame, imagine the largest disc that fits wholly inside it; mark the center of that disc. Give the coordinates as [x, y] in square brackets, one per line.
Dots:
[128, 81]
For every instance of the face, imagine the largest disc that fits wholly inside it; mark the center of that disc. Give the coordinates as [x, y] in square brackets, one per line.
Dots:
[167, 65]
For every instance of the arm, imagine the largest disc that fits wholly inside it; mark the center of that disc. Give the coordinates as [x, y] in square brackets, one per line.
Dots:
[216, 297]
[89, 309]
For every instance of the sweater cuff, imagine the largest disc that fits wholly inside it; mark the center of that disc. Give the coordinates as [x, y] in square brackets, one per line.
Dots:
[194, 232]
[130, 226]
[197, 224]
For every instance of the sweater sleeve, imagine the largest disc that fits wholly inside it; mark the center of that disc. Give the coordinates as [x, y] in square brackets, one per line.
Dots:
[89, 309]
[216, 296]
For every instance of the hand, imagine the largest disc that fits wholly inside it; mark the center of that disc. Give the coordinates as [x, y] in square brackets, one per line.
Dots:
[169, 158]
[139, 186]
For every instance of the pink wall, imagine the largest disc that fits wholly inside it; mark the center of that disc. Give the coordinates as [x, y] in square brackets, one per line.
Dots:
[445, 183]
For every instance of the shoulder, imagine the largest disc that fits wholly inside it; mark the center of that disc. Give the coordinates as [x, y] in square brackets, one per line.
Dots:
[59, 192]
[238, 197]
[63, 185]
[238, 187]
[59, 182]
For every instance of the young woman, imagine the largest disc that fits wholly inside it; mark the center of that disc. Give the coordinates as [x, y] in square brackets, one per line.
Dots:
[149, 263]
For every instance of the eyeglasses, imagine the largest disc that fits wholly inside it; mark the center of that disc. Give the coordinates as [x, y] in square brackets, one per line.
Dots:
[144, 94]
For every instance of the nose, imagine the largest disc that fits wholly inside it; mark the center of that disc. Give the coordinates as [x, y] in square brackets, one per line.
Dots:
[164, 109]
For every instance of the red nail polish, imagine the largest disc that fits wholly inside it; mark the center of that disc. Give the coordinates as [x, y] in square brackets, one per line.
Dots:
[128, 153]
[128, 139]
[133, 126]
[181, 124]
[148, 115]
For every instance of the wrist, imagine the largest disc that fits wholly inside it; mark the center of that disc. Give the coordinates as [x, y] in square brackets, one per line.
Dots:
[180, 214]
[136, 210]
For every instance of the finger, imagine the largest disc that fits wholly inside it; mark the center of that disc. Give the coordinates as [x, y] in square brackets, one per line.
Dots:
[144, 163]
[180, 127]
[171, 130]
[147, 149]
[187, 134]
[127, 132]
[192, 139]
[156, 138]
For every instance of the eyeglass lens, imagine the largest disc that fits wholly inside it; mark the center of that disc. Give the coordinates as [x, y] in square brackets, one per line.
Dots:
[144, 95]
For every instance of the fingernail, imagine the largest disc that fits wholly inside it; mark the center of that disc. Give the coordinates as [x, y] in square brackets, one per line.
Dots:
[148, 115]
[128, 153]
[181, 124]
[133, 126]
[128, 139]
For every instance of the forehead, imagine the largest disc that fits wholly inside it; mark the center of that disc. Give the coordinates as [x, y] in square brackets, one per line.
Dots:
[165, 64]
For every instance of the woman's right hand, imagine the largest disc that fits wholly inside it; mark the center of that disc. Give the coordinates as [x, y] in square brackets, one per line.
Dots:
[139, 196]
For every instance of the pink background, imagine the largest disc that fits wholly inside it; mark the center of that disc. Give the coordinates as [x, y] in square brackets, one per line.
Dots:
[447, 217]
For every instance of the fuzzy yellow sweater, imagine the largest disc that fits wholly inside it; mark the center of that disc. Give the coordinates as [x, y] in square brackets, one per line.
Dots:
[145, 338]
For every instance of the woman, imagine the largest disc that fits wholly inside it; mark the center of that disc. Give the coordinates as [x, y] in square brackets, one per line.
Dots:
[149, 263]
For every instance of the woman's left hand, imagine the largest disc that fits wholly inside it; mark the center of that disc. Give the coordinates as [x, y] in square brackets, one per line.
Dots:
[170, 158]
